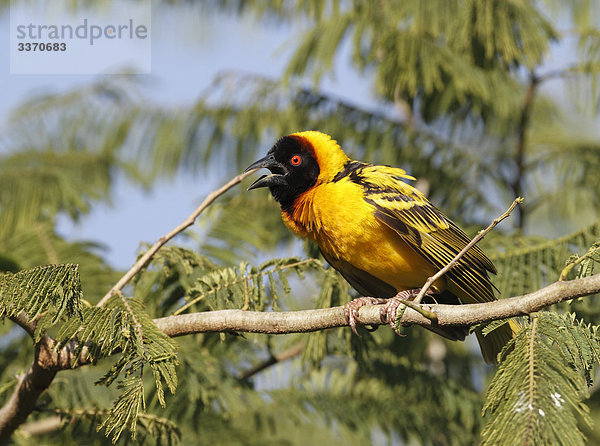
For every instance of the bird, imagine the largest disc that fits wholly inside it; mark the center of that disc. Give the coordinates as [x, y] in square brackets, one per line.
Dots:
[381, 233]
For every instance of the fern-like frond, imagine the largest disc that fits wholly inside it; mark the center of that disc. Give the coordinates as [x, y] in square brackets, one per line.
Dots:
[126, 409]
[35, 185]
[532, 264]
[445, 53]
[39, 244]
[534, 398]
[53, 291]
[122, 325]
[150, 428]
[245, 286]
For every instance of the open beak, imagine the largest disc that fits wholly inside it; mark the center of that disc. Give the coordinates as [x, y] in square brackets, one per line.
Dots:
[276, 178]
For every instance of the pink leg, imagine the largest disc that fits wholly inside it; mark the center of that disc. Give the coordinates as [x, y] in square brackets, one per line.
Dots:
[351, 309]
[390, 310]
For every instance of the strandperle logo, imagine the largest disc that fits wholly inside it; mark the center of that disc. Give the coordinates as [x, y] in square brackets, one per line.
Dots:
[57, 39]
[85, 31]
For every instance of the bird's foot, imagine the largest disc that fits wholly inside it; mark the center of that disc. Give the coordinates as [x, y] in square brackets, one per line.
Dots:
[389, 312]
[351, 309]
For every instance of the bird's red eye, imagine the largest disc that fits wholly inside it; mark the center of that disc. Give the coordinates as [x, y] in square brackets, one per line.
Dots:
[295, 160]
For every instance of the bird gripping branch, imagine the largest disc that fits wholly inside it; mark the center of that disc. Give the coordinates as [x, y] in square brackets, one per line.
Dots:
[378, 231]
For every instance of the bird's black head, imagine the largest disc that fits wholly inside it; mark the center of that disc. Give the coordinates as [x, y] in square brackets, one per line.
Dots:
[294, 169]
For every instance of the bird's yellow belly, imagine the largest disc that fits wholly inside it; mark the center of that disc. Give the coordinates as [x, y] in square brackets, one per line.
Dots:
[344, 227]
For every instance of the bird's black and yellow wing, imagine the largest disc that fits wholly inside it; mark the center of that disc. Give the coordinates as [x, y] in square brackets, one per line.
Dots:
[425, 229]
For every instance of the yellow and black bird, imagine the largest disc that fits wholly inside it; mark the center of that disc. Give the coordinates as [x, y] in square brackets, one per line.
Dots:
[378, 231]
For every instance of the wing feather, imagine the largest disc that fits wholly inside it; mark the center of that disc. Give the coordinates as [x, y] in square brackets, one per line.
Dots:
[427, 230]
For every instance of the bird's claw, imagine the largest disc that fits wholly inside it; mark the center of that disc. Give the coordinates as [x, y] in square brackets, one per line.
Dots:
[389, 312]
[351, 309]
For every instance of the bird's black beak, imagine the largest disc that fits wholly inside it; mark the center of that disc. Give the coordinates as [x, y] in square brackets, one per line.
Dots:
[277, 169]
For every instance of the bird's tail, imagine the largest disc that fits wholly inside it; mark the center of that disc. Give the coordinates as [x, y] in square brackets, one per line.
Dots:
[492, 343]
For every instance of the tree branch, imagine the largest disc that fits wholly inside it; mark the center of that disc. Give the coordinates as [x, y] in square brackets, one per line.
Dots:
[43, 426]
[313, 320]
[294, 350]
[143, 261]
[517, 184]
[29, 387]
[48, 361]
[23, 321]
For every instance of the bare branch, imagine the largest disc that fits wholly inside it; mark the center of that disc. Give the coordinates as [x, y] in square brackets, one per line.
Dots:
[43, 426]
[47, 362]
[23, 321]
[28, 389]
[453, 262]
[143, 261]
[523, 126]
[313, 320]
[294, 350]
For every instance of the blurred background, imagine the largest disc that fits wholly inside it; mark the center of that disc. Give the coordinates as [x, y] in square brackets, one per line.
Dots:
[481, 100]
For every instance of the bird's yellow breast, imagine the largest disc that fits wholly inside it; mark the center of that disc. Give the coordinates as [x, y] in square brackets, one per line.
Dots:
[337, 217]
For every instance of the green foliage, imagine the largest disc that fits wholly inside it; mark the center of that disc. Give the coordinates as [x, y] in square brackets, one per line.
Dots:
[122, 325]
[38, 244]
[334, 291]
[35, 184]
[536, 395]
[81, 424]
[106, 121]
[149, 428]
[52, 291]
[245, 286]
[402, 405]
[8, 264]
[585, 264]
[527, 264]
[234, 232]
[440, 56]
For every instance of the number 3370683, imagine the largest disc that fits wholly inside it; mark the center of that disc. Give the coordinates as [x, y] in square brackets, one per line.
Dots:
[22, 46]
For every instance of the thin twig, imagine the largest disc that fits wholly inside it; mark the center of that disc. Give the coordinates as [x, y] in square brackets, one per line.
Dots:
[42, 426]
[521, 148]
[595, 249]
[294, 350]
[453, 262]
[419, 309]
[143, 261]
